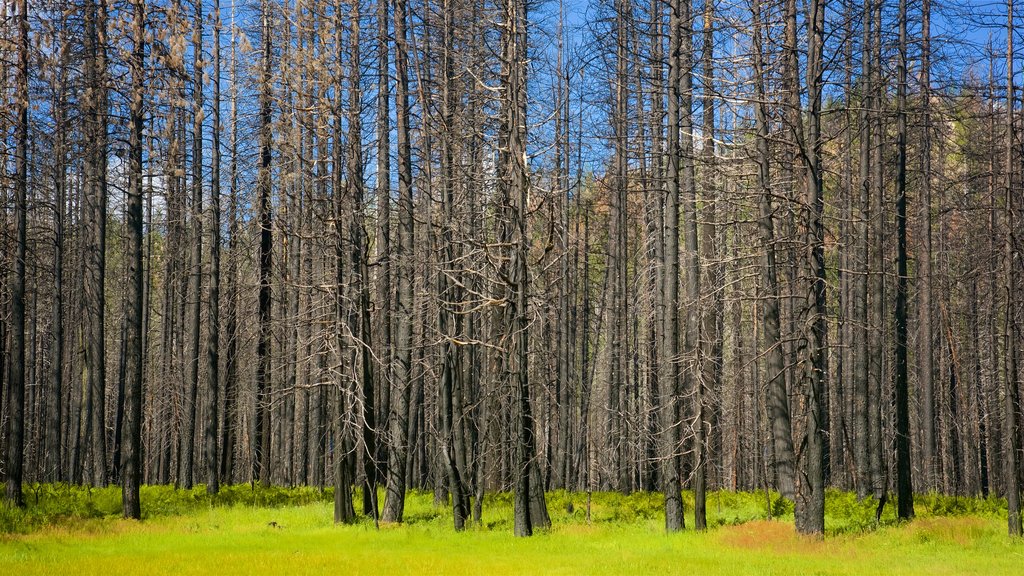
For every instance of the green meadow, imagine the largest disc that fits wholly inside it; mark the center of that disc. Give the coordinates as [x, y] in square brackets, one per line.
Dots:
[71, 530]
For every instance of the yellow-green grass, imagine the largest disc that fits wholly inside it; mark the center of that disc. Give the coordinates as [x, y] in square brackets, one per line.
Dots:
[624, 536]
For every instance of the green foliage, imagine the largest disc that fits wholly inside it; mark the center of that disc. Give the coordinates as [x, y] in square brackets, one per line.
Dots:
[846, 513]
[51, 505]
[65, 504]
[293, 533]
[942, 505]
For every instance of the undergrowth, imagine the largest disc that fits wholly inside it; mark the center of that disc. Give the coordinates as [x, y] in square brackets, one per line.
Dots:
[63, 505]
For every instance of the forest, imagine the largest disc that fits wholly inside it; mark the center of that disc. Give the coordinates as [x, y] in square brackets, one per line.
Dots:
[468, 247]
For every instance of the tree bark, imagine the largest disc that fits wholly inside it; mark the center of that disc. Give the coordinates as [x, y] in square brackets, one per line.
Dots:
[94, 378]
[904, 485]
[55, 471]
[16, 385]
[668, 376]
[1012, 400]
[131, 471]
[810, 499]
[228, 431]
[926, 356]
[777, 401]
[196, 276]
[394, 504]
[261, 436]
[213, 304]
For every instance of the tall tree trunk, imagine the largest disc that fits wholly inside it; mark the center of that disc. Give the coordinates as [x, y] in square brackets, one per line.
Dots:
[861, 254]
[94, 377]
[261, 437]
[516, 182]
[708, 389]
[4, 247]
[131, 472]
[668, 376]
[383, 240]
[360, 270]
[993, 288]
[810, 499]
[616, 436]
[904, 485]
[55, 470]
[691, 260]
[876, 277]
[213, 305]
[229, 427]
[398, 450]
[777, 401]
[345, 326]
[449, 317]
[563, 356]
[16, 384]
[196, 276]
[925, 353]
[1012, 400]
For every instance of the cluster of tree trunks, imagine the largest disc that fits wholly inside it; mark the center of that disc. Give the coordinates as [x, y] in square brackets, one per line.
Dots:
[472, 245]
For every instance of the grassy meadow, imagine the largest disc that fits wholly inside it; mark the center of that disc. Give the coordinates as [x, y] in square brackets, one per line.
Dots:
[71, 530]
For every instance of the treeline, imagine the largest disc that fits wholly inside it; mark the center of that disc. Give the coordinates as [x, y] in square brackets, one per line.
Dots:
[470, 246]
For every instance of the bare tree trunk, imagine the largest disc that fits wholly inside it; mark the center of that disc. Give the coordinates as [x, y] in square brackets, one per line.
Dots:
[691, 260]
[925, 353]
[992, 287]
[55, 470]
[862, 480]
[516, 181]
[4, 247]
[1012, 401]
[904, 485]
[96, 204]
[383, 241]
[213, 305]
[16, 384]
[196, 276]
[449, 314]
[876, 276]
[617, 313]
[777, 397]
[810, 500]
[708, 389]
[261, 437]
[668, 376]
[131, 472]
[228, 433]
[563, 355]
[394, 504]
[360, 290]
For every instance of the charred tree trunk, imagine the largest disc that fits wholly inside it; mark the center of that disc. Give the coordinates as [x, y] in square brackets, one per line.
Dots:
[904, 485]
[16, 385]
[131, 472]
[261, 436]
[213, 304]
[398, 449]
[777, 401]
[810, 499]
[1012, 401]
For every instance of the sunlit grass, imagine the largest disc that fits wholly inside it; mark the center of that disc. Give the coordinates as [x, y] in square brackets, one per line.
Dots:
[290, 531]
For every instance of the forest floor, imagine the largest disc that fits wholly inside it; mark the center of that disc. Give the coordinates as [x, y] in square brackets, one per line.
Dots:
[69, 531]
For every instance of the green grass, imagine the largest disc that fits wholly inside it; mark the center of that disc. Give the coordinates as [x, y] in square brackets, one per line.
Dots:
[69, 530]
